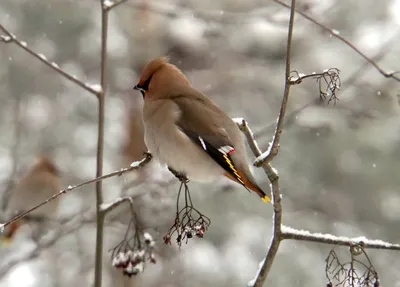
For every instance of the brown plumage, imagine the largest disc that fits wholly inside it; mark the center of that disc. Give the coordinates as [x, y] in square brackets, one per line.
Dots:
[186, 131]
[134, 146]
[40, 182]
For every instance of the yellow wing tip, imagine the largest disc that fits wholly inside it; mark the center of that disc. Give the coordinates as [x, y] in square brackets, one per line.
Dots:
[266, 199]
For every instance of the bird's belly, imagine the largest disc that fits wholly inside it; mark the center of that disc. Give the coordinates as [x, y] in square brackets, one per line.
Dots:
[173, 148]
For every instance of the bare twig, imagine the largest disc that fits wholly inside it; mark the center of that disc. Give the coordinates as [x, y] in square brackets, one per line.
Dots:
[64, 228]
[134, 166]
[276, 199]
[11, 38]
[334, 33]
[328, 82]
[344, 85]
[272, 151]
[363, 68]
[223, 16]
[266, 265]
[107, 207]
[281, 232]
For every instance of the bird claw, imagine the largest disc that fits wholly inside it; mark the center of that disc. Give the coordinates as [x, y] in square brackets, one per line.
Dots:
[182, 177]
[147, 154]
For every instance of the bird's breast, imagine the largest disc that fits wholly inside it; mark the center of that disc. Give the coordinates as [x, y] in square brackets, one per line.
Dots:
[170, 146]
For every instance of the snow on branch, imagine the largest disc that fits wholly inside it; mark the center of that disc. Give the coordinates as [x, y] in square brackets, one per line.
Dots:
[297, 234]
[105, 207]
[108, 4]
[335, 33]
[11, 38]
[134, 166]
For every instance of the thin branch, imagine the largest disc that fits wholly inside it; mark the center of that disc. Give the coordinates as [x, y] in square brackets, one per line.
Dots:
[344, 86]
[334, 33]
[11, 38]
[107, 207]
[266, 265]
[65, 228]
[328, 81]
[273, 150]
[134, 166]
[282, 232]
[98, 269]
[304, 235]
[244, 127]
[272, 174]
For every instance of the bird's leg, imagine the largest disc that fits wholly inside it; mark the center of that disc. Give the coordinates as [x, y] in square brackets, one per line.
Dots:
[148, 154]
[181, 176]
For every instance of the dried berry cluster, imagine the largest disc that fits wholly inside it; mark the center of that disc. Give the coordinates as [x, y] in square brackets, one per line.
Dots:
[189, 221]
[132, 259]
[186, 232]
[358, 271]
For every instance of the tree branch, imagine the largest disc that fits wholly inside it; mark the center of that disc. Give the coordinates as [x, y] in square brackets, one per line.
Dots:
[65, 228]
[334, 33]
[98, 270]
[272, 174]
[11, 38]
[134, 166]
[107, 207]
[273, 150]
[282, 232]
[304, 235]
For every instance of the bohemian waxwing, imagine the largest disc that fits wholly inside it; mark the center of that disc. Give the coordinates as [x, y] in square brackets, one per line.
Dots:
[186, 131]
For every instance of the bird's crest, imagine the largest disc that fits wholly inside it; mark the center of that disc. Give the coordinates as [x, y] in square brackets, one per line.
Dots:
[44, 164]
[150, 69]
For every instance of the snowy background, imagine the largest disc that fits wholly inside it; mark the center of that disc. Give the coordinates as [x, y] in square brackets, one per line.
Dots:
[339, 164]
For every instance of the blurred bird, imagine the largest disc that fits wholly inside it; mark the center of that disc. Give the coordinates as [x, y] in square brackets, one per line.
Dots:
[134, 145]
[186, 131]
[39, 183]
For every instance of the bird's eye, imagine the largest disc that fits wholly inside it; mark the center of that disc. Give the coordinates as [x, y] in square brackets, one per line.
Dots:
[146, 84]
[144, 87]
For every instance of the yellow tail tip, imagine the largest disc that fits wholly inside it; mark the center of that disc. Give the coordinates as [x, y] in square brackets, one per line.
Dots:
[266, 199]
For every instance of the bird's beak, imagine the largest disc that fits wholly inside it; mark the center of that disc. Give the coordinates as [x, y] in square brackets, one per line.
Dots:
[136, 87]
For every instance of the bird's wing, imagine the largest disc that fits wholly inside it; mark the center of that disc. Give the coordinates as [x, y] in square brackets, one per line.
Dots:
[202, 121]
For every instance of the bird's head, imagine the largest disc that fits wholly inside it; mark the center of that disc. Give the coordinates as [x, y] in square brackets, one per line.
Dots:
[159, 77]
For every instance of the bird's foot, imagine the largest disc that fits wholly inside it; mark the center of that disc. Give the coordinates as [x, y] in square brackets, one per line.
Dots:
[181, 176]
[148, 154]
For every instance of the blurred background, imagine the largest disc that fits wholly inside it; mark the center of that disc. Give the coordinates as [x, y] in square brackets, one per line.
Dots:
[338, 163]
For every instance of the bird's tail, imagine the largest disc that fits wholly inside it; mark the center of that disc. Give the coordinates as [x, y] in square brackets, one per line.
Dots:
[249, 185]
